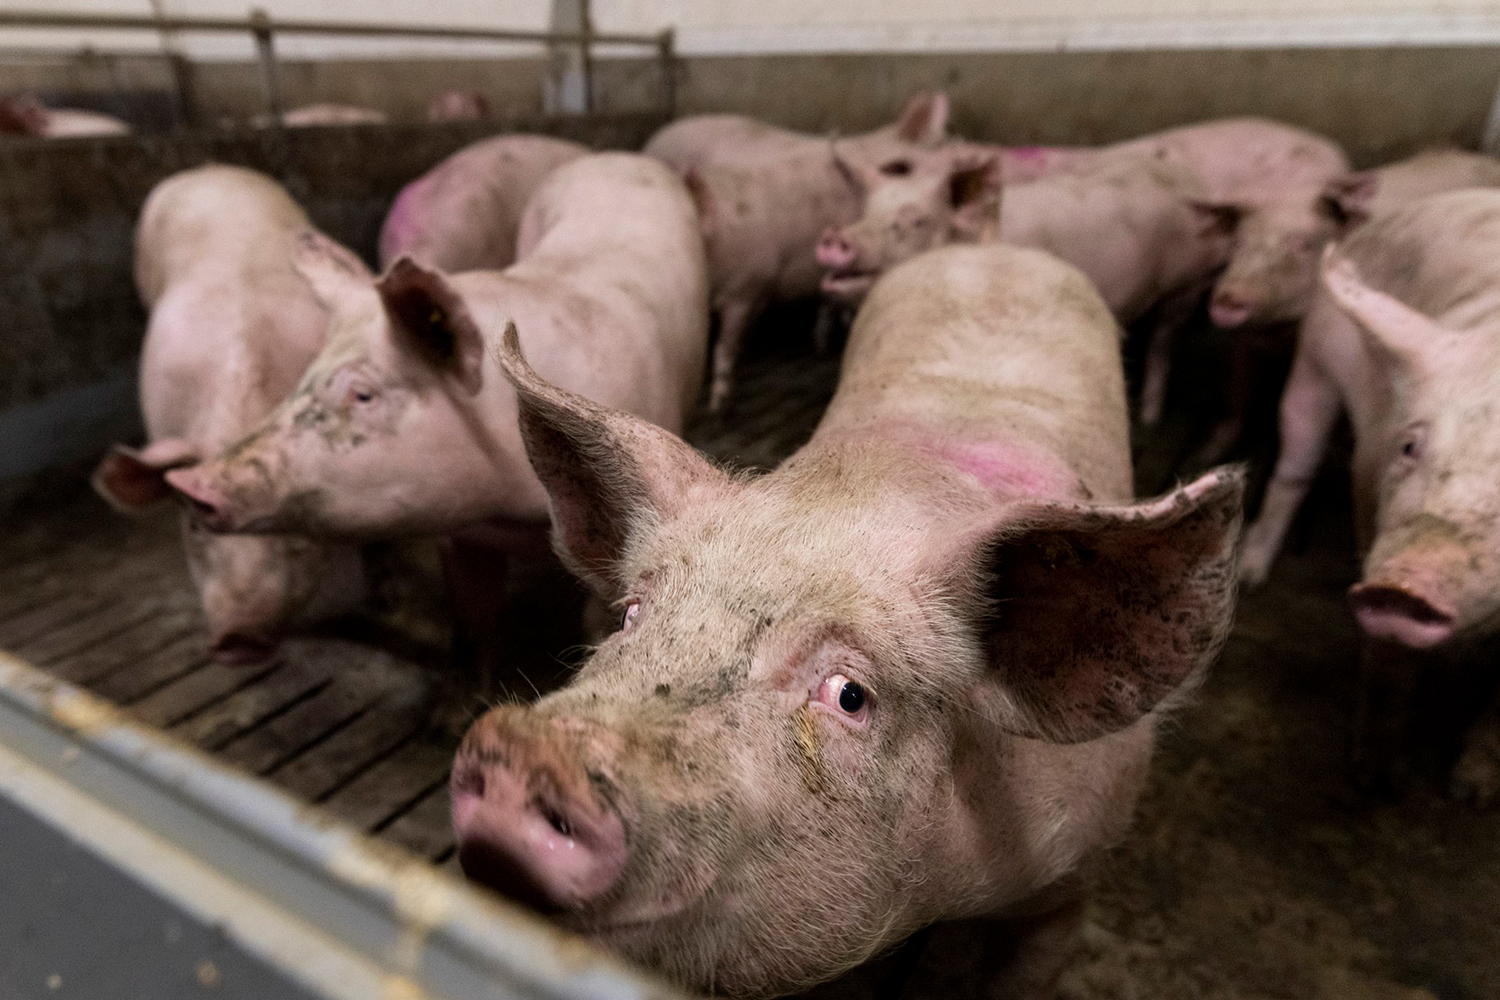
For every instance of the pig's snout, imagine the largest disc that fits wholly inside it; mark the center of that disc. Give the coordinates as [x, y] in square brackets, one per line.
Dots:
[1402, 614]
[835, 250]
[207, 503]
[1230, 309]
[530, 824]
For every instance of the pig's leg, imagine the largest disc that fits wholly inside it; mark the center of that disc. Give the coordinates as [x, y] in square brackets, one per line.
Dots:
[1171, 315]
[1476, 775]
[735, 316]
[831, 316]
[1386, 684]
[1310, 406]
[1227, 432]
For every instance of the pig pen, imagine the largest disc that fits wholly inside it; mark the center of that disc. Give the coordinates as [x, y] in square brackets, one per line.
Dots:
[1254, 868]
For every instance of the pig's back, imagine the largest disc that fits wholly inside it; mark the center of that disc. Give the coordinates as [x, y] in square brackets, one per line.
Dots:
[1433, 172]
[1439, 254]
[463, 214]
[992, 342]
[619, 232]
[700, 140]
[1245, 159]
[232, 324]
[211, 218]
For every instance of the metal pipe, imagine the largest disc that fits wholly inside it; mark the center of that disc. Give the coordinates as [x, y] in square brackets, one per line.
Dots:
[666, 44]
[44, 19]
[265, 48]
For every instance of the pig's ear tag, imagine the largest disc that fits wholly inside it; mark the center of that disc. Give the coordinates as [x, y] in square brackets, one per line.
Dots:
[429, 317]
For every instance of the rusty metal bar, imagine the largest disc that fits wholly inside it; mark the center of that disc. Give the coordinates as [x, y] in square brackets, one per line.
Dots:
[45, 19]
[666, 45]
[265, 51]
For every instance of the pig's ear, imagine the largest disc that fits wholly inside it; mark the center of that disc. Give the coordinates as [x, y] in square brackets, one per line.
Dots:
[1092, 617]
[1216, 218]
[703, 199]
[131, 480]
[1397, 334]
[609, 476]
[974, 190]
[1347, 199]
[924, 120]
[429, 318]
[332, 269]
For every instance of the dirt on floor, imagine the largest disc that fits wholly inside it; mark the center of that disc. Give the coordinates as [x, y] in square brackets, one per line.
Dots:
[1256, 868]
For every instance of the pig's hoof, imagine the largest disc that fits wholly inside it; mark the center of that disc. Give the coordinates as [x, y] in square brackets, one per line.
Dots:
[1475, 778]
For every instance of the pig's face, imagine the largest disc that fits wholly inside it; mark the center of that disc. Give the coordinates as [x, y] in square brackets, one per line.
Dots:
[912, 204]
[374, 437]
[1273, 270]
[1433, 568]
[254, 590]
[796, 750]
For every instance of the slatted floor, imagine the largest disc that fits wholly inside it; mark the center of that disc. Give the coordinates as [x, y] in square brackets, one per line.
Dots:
[364, 726]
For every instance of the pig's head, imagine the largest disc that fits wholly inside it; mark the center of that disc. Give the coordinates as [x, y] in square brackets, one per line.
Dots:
[830, 714]
[912, 204]
[1433, 568]
[376, 437]
[1273, 271]
[254, 590]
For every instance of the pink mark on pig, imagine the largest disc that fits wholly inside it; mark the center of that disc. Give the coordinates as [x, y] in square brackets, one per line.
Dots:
[1029, 152]
[1009, 468]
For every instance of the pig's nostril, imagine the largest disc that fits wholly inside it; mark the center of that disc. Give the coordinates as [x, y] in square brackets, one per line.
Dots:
[557, 821]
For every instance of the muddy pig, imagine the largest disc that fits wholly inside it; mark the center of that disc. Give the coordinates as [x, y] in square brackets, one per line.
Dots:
[464, 213]
[764, 194]
[402, 425]
[232, 328]
[1129, 223]
[1405, 339]
[1363, 195]
[910, 675]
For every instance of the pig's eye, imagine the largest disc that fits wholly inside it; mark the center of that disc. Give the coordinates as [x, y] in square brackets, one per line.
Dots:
[629, 615]
[896, 168]
[1413, 442]
[846, 696]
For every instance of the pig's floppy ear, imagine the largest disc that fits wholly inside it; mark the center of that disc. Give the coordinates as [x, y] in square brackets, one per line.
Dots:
[430, 318]
[974, 191]
[1216, 217]
[332, 269]
[131, 480]
[1347, 199]
[608, 474]
[1092, 616]
[924, 120]
[1397, 334]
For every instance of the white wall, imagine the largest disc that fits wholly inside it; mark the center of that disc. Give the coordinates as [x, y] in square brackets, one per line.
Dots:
[779, 26]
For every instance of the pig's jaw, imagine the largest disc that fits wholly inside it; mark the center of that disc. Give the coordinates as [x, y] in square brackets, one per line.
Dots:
[848, 286]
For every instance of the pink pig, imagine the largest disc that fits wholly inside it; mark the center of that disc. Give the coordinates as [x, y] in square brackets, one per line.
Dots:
[232, 328]
[764, 194]
[1405, 338]
[464, 213]
[911, 675]
[1363, 195]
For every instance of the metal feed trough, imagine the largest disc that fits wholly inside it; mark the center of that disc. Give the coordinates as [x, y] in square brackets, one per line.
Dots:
[130, 862]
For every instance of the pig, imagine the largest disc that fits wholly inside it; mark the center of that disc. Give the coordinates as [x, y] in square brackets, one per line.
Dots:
[458, 106]
[402, 426]
[1129, 223]
[464, 213]
[764, 195]
[317, 115]
[911, 675]
[26, 115]
[1405, 339]
[1367, 193]
[232, 327]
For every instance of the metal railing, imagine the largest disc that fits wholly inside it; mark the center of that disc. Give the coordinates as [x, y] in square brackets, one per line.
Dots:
[263, 29]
